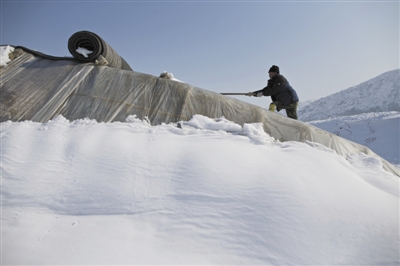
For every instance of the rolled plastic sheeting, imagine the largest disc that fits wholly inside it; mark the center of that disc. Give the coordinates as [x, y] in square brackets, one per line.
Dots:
[93, 42]
[89, 41]
[34, 88]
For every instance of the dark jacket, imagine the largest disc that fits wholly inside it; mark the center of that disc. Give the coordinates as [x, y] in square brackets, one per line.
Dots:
[280, 90]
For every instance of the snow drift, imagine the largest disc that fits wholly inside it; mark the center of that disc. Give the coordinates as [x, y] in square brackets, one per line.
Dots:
[210, 192]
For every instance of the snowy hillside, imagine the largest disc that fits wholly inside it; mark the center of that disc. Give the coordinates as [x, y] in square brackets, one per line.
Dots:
[380, 94]
[209, 192]
[367, 114]
[378, 131]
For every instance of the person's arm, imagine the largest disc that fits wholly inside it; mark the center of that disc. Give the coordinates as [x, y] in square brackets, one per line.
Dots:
[258, 93]
[279, 84]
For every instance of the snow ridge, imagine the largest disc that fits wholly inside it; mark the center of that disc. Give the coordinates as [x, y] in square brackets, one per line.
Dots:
[379, 94]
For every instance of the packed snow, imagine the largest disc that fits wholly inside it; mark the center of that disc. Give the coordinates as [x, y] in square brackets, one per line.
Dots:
[205, 191]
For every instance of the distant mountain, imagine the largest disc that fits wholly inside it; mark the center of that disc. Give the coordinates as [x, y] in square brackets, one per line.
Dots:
[379, 94]
[304, 104]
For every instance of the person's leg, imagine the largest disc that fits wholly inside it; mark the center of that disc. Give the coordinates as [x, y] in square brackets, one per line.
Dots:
[272, 107]
[291, 111]
[279, 106]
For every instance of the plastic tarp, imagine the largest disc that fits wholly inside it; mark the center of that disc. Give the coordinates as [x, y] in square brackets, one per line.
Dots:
[94, 43]
[98, 51]
[38, 89]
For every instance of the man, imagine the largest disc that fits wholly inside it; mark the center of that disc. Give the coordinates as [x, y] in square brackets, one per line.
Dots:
[282, 94]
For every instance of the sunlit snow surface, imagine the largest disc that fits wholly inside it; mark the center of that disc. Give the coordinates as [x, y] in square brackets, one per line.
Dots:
[378, 131]
[206, 191]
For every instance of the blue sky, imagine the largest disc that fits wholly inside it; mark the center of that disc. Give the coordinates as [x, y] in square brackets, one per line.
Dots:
[321, 47]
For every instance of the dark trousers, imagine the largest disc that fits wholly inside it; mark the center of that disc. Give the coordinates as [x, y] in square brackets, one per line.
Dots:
[291, 110]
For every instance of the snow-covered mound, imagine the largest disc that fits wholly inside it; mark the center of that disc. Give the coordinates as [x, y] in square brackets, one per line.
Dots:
[378, 131]
[206, 191]
[380, 94]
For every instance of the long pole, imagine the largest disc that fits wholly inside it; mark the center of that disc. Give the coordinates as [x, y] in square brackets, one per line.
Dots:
[229, 93]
